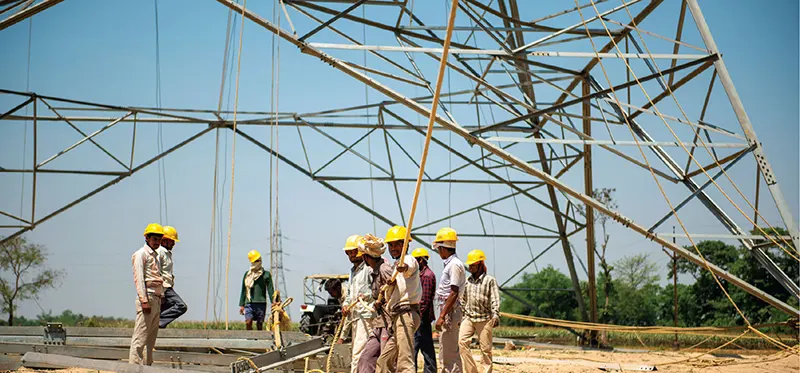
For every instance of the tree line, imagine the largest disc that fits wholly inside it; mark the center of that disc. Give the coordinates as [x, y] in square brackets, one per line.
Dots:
[629, 290]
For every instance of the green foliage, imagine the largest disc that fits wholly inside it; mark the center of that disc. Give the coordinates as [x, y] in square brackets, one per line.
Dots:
[23, 274]
[552, 304]
[636, 298]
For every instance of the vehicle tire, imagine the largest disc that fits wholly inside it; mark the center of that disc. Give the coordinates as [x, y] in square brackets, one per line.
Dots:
[306, 325]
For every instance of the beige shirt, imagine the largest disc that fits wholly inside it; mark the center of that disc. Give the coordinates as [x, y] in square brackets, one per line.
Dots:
[146, 274]
[165, 258]
[407, 291]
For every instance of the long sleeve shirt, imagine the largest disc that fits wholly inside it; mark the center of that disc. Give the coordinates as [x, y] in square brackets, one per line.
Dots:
[428, 282]
[165, 258]
[261, 292]
[407, 289]
[360, 285]
[146, 273]
[380, 278]
[481, 299]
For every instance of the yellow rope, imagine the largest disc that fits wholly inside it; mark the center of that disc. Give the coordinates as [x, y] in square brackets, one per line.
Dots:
[428, 134]
[233, 165]
[641, 151]
[705, 146]
[701, 330]
[249, 361]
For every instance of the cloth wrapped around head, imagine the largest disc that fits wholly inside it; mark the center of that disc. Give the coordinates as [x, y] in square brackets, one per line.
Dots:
[372, 246]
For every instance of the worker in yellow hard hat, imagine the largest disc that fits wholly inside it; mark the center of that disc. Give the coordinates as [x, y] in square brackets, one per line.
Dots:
[481, 304]
[172, 306]
[423, 338]
[149, 291]
[373, 248]
[403, 307]
[452, 283]
[257, 290]
[359, 318]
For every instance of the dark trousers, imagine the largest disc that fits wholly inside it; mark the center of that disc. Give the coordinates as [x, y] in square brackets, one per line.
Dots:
[423, 340]
[172, 307]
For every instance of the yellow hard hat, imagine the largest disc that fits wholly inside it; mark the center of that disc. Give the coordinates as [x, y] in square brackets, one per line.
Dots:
[253, 255]
[446, 234]
[475, 256]
[171, 233]
[395, 233]
[420, 253]
[153, 228]
[352, 242]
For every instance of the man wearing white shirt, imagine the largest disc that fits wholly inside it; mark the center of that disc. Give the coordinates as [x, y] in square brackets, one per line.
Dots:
[452, 283]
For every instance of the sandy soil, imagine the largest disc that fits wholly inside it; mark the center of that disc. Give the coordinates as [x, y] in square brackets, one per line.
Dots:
[562, 361]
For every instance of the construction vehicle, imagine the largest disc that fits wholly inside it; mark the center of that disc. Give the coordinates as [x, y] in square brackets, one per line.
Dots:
[322, 311]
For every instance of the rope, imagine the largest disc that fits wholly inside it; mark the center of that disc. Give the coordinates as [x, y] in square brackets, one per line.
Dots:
[428, 134]
[274, 139]
[25, 127]
[233, 165]
[249, 361]
[700, 330]
[705, 146]
[652, 172]
[162, 170]
[660, 187]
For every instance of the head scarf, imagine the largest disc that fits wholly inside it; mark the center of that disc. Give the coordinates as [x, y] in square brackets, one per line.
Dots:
[255, 272]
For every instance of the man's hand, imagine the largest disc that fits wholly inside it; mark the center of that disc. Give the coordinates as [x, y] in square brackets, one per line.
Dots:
[146, 307]
[345, 311]
[439, 324]
[495, 322]
[378, 305]
[241, 310]
[402, 267]
[340, 341]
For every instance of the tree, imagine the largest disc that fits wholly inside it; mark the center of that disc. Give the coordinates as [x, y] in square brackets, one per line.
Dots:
[636, 291]
[636, 271]
[606, 197]
[23, 274]
[549, 291]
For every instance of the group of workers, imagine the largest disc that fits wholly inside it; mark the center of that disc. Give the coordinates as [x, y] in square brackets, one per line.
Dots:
[389, 307]
[154, 279]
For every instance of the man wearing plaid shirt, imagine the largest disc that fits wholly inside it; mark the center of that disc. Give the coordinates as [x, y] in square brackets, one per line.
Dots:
[480, 301]
[423, 338]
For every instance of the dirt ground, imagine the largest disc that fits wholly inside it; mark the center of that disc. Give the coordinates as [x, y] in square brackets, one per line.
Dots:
[573, 361]
[562, 361]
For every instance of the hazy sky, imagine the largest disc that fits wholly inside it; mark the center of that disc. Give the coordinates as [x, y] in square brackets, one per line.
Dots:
[104, 51]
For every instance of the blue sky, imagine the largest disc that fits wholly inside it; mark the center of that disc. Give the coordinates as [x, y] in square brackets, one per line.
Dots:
[104, 52]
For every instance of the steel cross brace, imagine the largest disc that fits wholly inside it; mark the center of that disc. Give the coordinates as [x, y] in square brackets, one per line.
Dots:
[501, 153]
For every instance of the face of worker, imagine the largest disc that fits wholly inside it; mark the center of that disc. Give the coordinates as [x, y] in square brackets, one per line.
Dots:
[335, 291]
[476, 268]
[422, 261]
[395, 248]
[153, 240]
[167, 243]
[353, 256]
[444, 252]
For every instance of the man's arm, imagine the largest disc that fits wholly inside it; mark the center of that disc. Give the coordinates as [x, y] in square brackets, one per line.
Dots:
[270, 285]
[243, 294]
[138, 262]
[495, 298]
[448, 305]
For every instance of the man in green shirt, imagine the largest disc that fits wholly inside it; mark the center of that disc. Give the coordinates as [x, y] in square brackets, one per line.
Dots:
[257, 289]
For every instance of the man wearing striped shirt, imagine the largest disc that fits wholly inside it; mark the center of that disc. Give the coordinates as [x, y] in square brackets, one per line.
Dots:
[480, 301]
